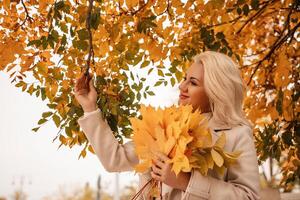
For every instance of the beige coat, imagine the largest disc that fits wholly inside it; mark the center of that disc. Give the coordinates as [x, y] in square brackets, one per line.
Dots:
[239, 182]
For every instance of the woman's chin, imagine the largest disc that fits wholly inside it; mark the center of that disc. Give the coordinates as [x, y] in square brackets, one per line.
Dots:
[182, 102]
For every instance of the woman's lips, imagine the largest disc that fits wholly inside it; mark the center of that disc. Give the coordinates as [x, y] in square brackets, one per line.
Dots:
[183, 96]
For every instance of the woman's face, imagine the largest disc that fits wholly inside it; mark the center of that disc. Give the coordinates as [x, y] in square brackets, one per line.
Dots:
[192, 89]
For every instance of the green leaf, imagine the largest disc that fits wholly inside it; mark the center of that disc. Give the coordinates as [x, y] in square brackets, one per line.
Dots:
[150, 93]
[81, 44]
[160, 73]
[55, 35]
[246, 9]
[47, 114]
[255, 4]
[95, 19]
[43, 92]
[138, 96]
[158, 83]
[51, 105]
[239, 10]
[56, 120]
[68, 131]
[145, 63]
[220, 35]
[131, 76]
[129, 55]
[150, 70]
[41, 121]
[64, 28]
[83, 34]
[172, 81]
[36, 129]
[240, 2]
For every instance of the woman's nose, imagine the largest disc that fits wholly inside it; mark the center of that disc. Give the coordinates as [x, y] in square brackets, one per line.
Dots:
[182, 86]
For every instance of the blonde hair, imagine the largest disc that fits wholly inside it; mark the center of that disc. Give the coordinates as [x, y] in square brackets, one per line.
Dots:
[224, 87]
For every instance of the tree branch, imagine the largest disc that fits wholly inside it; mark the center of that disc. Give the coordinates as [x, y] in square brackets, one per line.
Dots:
[27, 14]
[275, 46]
[88, 27]
[258, 13]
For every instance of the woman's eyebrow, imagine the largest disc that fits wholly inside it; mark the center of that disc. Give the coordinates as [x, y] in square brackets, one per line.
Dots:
[195, 78]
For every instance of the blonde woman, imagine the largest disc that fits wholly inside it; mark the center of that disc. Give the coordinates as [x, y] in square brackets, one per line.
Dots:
[213, 84]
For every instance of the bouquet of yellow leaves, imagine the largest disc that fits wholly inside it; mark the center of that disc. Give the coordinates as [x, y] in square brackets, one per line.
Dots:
[183, 136]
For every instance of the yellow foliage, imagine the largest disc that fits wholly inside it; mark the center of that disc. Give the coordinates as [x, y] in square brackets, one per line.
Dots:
[181, 134]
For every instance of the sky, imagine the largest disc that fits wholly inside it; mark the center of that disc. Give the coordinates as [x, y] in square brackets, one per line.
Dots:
[30, 160]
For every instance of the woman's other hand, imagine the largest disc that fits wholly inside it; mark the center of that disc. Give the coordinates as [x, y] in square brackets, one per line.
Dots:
[87, 98]
[161, 171]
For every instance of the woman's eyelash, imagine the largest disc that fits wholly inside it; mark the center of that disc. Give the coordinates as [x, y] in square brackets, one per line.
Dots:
[184, 78]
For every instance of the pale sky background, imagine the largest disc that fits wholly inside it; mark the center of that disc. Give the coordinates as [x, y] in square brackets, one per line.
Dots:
[33, 158]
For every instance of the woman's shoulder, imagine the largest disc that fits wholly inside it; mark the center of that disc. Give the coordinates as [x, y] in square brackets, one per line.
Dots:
[240, 136]
[234, 135]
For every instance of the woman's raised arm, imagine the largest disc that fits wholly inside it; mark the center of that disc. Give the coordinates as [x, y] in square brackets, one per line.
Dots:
[114, 157]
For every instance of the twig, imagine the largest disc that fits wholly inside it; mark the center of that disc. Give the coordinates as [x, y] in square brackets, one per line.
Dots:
[27, 14]
[275, 46]
[223, 23]
[259, 12]
[88, 27]
[127, 12]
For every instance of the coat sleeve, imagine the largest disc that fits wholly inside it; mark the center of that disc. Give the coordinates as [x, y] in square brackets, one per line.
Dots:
[242, 178]
[114, 157]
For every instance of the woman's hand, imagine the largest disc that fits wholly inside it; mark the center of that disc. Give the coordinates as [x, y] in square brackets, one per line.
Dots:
[161, 171]
[86, 98]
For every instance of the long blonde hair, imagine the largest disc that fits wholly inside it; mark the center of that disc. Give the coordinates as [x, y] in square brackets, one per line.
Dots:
[224, 87]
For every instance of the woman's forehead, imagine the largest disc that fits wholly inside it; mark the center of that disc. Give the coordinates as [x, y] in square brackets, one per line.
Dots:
[195, 70]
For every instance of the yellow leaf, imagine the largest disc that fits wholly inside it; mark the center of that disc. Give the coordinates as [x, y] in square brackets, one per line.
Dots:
[180, 162]
[209, 160]
[27, 62]
[65, 84]
[90, 148]
[219, 170]
[169, 144]
[42, 68]
[30, 89]
[8, 50]
[221, 140]
[104, 48]
[218, 159]
[132, 3]
[42, 5]
[143, 166]
[6, 4]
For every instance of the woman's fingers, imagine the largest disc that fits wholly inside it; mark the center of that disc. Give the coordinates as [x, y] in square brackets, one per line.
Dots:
[155, 176]
[161, 156]
[156, 169]
[91, 85]
[158, 162]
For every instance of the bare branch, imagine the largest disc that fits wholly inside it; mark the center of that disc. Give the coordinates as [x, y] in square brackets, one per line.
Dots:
[88, 27]
[27, 14]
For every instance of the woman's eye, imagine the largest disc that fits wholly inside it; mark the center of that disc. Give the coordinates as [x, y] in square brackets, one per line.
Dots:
[193, 83]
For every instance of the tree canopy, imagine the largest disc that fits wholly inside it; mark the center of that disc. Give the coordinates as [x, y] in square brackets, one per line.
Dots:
[54, 42]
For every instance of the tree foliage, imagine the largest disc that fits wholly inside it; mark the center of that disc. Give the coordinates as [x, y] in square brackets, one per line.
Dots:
[262, 35]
